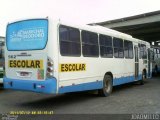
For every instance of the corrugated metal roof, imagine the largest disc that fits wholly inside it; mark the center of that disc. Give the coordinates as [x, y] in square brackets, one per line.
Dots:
[129, 18]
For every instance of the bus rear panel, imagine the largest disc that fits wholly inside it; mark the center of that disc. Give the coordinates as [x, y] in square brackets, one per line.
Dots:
[26, 57]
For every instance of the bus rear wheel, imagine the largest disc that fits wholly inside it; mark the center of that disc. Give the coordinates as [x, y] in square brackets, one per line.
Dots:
[143, 78]
[107, 86]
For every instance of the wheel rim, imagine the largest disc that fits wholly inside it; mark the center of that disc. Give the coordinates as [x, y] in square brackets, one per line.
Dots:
[107, 86]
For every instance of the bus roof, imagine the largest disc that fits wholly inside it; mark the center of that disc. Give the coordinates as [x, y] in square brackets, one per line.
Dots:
[93, 28]
[97, 29]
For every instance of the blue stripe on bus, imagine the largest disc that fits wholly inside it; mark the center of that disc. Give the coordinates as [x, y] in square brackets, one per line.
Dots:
[47, 86]
[123, 80]
[81, 87]
[50, 85]
[96, 85]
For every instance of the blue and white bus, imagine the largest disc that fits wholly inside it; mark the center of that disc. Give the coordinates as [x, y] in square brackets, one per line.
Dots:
[156, 59]
[53, 56]
[1, 59]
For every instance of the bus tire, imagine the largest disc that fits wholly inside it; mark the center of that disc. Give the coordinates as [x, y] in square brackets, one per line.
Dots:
[107, 86]
[143, 78]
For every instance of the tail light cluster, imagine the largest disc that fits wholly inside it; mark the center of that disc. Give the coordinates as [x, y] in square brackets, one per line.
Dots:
[49, 67]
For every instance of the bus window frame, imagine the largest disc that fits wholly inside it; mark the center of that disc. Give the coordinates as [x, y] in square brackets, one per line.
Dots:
[82, 44]
[69, 55]
[28, 20]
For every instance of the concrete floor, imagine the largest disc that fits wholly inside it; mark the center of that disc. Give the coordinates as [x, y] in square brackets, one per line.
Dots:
[125, 99]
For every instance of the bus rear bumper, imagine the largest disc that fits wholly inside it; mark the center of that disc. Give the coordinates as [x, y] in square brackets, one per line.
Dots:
[46, 86]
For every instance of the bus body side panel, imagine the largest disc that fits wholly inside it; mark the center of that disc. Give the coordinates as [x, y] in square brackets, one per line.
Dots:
[53, 49]
[92, 77]
[144, 62]
[71, 80]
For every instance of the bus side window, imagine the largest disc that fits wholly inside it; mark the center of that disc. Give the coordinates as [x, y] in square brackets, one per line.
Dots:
[90, 44]
[140, 55]
[118, 48]
[69, 41]
[106, 49]
[143, 51]
[128, 49]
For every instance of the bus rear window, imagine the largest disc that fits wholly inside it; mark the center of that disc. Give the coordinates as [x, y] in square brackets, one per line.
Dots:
[27, 35]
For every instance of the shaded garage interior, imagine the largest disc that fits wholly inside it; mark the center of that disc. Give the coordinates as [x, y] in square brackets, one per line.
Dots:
[144, 26]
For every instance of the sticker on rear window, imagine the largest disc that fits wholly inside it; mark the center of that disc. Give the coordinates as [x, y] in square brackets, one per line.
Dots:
[40, 74]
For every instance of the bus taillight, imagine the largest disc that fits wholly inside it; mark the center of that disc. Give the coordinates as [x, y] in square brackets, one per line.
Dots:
[49, 67]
